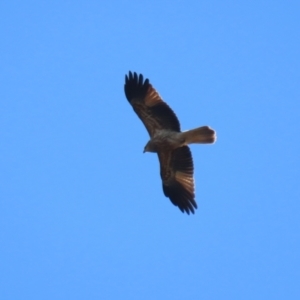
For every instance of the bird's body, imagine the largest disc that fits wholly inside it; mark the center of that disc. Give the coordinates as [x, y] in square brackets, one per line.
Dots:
[164, 140]
[167, 140]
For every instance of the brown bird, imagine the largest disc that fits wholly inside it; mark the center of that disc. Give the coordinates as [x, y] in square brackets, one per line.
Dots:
[168, 141]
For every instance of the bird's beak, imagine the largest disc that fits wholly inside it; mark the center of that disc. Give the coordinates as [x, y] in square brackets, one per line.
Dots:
[144, 151]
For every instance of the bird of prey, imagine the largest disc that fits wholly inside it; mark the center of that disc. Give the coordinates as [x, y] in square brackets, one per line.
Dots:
[168, 141]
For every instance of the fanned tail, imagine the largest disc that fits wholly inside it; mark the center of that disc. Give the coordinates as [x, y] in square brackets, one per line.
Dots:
[200, 135]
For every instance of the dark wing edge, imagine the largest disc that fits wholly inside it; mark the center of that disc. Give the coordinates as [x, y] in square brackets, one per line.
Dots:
[148, 105]
[178, 181]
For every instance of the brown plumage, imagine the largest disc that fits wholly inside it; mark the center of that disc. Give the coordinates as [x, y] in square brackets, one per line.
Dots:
[167, 140]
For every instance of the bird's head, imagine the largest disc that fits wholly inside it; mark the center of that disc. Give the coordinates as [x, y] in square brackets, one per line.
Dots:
[149, 147]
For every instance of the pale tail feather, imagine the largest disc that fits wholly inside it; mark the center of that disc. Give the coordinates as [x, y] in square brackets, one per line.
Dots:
[200, 135]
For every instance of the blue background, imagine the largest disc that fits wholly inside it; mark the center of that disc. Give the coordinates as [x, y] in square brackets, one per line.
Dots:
[82, 213]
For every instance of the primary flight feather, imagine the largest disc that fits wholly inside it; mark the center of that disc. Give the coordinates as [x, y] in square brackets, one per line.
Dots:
[168, 141]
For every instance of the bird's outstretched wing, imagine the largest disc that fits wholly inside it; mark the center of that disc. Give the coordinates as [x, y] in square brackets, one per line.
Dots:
[176, 171]
[148, 105]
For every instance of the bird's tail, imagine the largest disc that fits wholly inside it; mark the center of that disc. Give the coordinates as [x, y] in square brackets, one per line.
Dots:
[200, 135]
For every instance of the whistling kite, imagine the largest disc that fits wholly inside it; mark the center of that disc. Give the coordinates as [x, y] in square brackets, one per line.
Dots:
[166, 139]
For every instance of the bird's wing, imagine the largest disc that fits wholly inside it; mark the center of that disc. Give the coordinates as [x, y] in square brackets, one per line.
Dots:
[176, 171]
[148, 105]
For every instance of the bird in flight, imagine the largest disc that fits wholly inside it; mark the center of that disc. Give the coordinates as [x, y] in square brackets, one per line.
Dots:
[168, 141]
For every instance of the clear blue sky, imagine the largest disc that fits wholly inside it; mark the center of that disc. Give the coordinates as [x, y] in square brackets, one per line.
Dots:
[82, 213]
